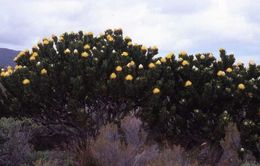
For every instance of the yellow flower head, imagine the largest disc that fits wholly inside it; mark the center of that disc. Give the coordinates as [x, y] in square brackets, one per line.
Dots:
[154, 48]
[132, 63]
[129, 77]
[210, 55]
[229, 70]
[143, 48]
[61, 38]
[84, 54]
[32, 58]
[124, 54]
[151, 65]
[17, 67]
[202, 57]
[169, 55]
[86, 47]
[156, 90]
[67, 51]
[241, 86]
[221, 73]
[43, 72]
[162, 59]
[184, 63]
[9, 67]
[222, 50]
[35, 54]
[45, 41]
[2, 74]
[127, 38]
[119, 69]
[26, 82]
[110, 38]
[113, 76]
[158, 62]
[22, 53]
[188, 83]
[90, 34]
[183, 54]
[239, 63]
[129, 43]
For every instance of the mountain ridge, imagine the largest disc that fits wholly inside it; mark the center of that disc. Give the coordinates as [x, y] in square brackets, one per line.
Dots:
[6, 56]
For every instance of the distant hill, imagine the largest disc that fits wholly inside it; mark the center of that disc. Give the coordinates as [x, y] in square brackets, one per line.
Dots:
[7, 56]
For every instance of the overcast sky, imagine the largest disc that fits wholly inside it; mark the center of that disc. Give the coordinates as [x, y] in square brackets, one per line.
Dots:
[172, 25]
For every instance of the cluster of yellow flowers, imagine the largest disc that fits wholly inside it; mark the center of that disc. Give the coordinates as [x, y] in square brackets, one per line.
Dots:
[33, 56]
[8, 72]
[131, 64]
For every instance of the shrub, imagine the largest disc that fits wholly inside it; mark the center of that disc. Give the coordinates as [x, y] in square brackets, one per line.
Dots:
[186, 98]
[127, 146]
[14, 145]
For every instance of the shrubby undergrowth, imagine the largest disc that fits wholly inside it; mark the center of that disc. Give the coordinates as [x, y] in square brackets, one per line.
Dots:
[82, 81]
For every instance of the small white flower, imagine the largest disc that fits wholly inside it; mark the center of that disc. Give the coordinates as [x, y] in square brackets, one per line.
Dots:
[114, 51]
[140, 66]
[94, 48]
[251, 62]
[195, 68]
[38, 63]
[202, 57]
[75, 51]
[196, 110]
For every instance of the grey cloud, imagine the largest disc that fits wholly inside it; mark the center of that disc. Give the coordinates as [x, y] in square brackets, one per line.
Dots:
[172, 25]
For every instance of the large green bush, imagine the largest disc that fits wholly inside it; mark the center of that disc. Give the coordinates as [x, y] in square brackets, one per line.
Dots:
[185, 97]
